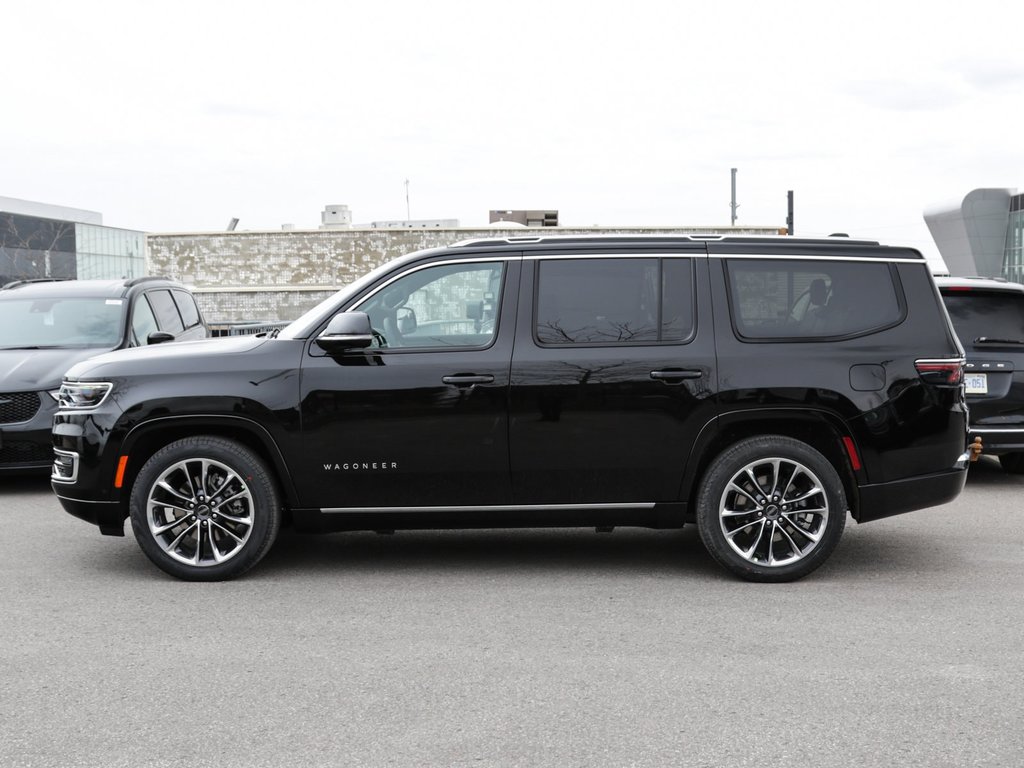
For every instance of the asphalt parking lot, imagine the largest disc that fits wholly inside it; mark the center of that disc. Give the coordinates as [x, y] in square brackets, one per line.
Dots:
[518, 648]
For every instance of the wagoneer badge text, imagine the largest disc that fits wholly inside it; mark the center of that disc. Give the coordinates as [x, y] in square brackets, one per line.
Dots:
[361, 466]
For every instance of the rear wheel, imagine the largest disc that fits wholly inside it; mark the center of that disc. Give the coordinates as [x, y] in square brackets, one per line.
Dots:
[205, 509]
[1013, 462]
[771, 508]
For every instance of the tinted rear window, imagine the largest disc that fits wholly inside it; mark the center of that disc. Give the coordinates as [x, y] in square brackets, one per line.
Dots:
[986, 314]
[614, 301]
[809, 299]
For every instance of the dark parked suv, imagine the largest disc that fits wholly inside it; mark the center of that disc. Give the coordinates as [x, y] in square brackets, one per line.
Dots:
[759, 387]
[46, 326]
[988, 316]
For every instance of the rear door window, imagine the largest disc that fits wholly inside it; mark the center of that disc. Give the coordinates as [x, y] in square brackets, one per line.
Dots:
[611, 301]
[810, 299]
[166, 312]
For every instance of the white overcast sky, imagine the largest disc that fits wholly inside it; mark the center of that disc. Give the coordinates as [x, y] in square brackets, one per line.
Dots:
[179, 116]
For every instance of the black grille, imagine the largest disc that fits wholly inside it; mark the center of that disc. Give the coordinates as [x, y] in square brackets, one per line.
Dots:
[23, 452]
[16, 407]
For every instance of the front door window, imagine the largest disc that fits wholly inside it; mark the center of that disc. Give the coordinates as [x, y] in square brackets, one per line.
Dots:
[449, 306]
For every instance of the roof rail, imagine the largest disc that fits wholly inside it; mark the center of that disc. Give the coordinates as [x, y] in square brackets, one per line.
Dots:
[610, 237]
[641, 236]
[137, 280]
[30, 280]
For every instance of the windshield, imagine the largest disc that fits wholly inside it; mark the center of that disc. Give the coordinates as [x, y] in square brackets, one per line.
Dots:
[61, 322]
[986, 315]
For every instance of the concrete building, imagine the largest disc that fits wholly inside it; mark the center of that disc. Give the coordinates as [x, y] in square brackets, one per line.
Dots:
[41, 240]
[335, 217]
[981, 235]
[534, 218]
[274, 276]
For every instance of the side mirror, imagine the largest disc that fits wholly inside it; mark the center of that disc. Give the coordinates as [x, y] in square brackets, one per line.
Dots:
[159, 337]
[347, 330]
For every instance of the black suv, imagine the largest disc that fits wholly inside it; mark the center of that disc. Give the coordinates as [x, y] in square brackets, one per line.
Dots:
[760, 387]
[46, 326]
[988, 316]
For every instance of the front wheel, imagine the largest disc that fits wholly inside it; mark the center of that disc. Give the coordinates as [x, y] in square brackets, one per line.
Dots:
[205, 509]
[771, 509]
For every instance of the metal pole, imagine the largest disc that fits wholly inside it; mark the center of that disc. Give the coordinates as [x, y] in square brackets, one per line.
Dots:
[733, 206]
[408, 216]
[789, 215]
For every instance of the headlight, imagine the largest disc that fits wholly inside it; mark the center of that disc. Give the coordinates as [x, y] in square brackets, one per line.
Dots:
[83, 395]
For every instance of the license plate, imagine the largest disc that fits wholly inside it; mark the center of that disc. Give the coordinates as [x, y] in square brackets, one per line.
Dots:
[976, 384]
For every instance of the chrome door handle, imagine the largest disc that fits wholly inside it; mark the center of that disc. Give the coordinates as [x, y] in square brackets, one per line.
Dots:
[467, 379]
[676, 375]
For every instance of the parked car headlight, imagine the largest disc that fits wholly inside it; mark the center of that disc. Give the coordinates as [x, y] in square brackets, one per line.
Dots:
[83, 394]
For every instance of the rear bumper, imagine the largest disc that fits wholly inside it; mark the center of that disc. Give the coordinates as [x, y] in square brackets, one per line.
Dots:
[887, 499]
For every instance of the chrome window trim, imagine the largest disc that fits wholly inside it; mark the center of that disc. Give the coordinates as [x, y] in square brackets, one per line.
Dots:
[810, 257]
[428, 265]
[625, 255]
[704, 255]
[997, 430]
[486, 508]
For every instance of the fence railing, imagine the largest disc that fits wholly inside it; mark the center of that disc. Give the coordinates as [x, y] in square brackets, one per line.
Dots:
[242, 329]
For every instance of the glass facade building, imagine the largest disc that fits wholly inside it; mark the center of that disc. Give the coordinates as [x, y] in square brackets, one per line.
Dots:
[982, 235]
[37, 247]
[105, 252]
[1013, 257]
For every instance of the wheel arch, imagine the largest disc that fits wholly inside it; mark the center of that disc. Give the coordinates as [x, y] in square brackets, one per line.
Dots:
[820, 429]
[147, 438]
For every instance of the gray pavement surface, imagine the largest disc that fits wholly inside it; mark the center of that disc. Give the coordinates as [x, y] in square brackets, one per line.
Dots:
[517, 648]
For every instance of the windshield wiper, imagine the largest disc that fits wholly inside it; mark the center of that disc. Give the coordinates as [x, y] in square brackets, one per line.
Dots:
[989, 340]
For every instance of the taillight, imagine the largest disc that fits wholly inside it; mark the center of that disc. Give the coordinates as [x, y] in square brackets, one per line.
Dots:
[942, 372]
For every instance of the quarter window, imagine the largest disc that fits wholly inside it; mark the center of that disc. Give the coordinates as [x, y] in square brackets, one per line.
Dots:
[614, 301]
[450, 305]
[805, 299]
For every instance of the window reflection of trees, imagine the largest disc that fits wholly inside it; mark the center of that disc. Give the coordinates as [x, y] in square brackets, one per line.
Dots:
[552, 332]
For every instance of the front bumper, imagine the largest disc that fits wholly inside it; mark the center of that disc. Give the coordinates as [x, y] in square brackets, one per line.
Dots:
[27, 446]
[108, 515]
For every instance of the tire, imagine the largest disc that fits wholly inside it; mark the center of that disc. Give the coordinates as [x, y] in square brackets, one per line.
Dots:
[177, 496]
[740, 498]
[1013, 462]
